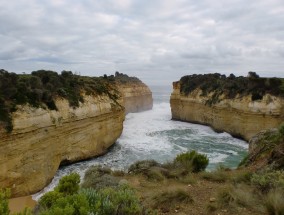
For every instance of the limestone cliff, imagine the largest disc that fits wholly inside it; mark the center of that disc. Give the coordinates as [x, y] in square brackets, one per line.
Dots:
[57, 119]
[42, 139]
[136, 97]
[240, 115]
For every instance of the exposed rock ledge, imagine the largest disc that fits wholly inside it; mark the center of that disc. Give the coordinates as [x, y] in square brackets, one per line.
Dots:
[136, 97]
[240, 116]
[42, 139]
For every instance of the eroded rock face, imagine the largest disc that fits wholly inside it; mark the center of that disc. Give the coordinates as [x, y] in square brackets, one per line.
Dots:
[43, 139]
[266, 149]
[240, 116]
[136, 97]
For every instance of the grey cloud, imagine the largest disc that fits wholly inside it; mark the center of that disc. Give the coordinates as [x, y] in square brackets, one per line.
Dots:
[158, 39]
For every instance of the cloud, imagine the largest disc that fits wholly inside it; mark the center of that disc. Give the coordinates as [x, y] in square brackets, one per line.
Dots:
[154, 40]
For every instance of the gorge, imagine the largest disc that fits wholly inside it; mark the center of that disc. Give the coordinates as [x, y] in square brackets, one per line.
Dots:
[42, 138]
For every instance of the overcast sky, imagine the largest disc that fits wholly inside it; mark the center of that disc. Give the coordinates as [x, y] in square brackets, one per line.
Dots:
[155, 40]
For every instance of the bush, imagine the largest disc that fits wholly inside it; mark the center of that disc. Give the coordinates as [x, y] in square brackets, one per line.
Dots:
[76, 204]
[98, 177]
[98, 203]
[142, 166]
[69, 184]
[4, 198]
[267, 180]
[49, 198]
[120, 201]
[192, 161]
[100, 182]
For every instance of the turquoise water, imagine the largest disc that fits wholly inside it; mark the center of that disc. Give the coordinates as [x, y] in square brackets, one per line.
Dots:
[153, 135]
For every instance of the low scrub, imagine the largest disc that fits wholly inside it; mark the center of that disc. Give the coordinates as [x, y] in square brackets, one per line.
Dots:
[120, 200]
[267, 180]
[169, 199]
[142, 166]
[216, 176]
[274, 202]
[192, 161]
[98, 177]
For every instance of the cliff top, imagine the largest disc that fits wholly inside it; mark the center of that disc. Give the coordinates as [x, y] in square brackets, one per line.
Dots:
[41, 87]
[232, 86]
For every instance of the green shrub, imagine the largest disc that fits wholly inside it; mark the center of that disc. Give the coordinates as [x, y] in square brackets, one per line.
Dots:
[98, 177]
[4, 204]
[121, 200]
[99, 204]
[40, 88]
[230, 87]
[76, 204]
[124, 199]
[69, 184]
[156, 173]
[242, 176]
[100, 182]
[97, 171]
[192, 161]
[49, 198]
[267, 180]
[142, 166]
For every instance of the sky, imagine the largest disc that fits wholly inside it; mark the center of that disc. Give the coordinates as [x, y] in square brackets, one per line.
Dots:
[157, 41]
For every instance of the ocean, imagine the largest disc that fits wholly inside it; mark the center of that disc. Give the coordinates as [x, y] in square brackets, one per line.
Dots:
[153, 135]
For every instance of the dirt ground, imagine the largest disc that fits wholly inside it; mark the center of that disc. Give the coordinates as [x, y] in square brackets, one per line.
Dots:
[18, 204]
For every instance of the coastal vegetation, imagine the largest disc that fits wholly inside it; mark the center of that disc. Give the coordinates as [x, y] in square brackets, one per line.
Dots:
[231, 86]
[42, 87]
[174, 187]
[181, 185]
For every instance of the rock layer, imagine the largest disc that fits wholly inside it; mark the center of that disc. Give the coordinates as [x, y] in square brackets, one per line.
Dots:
[43, 139]
[240, 116]
[136, 97]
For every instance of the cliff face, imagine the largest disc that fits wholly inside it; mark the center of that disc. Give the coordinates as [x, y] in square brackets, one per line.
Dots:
[239, 116]
[266, 149]
[136, 97]
[42, 139]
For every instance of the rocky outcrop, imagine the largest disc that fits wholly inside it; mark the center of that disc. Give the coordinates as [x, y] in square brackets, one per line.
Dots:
[43, 139]
[239, 116]
[266, 149]
[136, 97]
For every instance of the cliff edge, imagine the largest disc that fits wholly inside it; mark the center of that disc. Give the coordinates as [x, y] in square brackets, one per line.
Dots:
[48, 120]
[241, 106]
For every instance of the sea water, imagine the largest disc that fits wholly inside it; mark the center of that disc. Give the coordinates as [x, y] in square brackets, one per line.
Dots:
[153, 135]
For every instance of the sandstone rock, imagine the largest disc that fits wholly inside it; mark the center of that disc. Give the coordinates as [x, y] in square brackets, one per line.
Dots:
[44, 139]
[240, 116]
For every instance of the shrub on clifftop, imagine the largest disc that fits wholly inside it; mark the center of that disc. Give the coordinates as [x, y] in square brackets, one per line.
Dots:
[232, 86]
